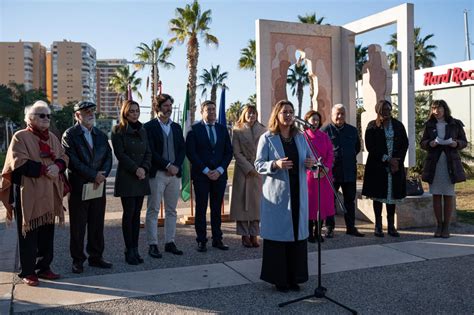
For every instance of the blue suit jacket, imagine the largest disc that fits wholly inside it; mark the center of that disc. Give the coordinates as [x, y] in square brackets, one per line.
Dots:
[201, 154]
[155, 140]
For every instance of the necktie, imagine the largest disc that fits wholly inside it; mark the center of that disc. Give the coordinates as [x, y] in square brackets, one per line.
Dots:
[212, 139]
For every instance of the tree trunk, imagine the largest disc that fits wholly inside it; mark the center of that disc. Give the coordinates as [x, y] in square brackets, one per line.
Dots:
[213, 93]
[193, 56]
[152, 86]
[299, 94]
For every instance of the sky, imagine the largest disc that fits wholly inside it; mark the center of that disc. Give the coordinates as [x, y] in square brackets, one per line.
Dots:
[116, 27]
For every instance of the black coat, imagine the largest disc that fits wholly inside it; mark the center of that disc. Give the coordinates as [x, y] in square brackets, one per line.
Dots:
[132, 151]
[376, 170]
[454, 130]
[346, 145]
[155, 140]
[84, 163]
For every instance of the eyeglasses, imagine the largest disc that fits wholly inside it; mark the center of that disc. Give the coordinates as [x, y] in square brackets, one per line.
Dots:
[43, 116]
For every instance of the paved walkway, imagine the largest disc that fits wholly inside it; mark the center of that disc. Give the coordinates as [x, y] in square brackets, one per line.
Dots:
[412, 274]
[80, 290]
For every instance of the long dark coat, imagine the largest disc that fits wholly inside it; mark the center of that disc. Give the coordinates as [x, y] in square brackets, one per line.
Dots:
[454, 130]
[132, 151]
[376, 170]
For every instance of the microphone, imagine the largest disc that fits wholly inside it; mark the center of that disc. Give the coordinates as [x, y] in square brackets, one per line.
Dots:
[304, 123]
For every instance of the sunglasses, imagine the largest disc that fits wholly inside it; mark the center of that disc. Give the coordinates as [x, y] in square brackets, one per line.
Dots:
[43, 116]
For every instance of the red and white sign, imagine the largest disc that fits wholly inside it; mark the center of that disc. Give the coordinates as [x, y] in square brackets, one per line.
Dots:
[456, 75]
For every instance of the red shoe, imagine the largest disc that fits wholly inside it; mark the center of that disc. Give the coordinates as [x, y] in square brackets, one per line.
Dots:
[31, 280]
[48, 275]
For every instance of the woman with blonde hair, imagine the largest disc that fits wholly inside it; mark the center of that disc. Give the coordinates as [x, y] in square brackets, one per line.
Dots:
[283, 156]
[32, 189]
[130, 143]
[246, 184]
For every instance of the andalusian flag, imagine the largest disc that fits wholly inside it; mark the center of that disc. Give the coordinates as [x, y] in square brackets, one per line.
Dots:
[186, 170]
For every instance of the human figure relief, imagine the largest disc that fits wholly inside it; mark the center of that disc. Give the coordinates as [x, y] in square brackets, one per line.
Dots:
[376, 83]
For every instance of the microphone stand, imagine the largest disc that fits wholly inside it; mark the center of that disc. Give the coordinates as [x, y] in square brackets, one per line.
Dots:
[320, 291]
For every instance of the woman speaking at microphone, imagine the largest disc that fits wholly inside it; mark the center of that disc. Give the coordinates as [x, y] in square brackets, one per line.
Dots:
[283, 157]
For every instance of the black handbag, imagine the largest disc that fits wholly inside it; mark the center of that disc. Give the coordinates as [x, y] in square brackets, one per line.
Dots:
[414, 187]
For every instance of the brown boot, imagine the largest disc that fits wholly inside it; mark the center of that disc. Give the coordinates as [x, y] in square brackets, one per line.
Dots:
[254, 240]
[246, 241]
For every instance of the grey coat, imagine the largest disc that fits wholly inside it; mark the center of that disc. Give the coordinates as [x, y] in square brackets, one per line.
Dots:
[246, 190]
[132, 151]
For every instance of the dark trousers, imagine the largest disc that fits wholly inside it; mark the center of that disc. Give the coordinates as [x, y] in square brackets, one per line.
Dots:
[36, 247]
[88, 213]
[349, 194]
[214, 191]
[131, 220]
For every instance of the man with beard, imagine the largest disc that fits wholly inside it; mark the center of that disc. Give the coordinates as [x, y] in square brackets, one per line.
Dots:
[90, 161]
[168, 150]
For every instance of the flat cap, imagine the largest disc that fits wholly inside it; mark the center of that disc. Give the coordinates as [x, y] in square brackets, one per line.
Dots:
[83, 105]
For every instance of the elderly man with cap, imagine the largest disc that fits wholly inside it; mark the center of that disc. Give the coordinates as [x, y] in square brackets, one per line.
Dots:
[90, 163]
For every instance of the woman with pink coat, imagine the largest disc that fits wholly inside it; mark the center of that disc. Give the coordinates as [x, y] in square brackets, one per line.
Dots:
[324, 149]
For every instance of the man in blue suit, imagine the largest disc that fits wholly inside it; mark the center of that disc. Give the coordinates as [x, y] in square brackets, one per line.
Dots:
[209, 150]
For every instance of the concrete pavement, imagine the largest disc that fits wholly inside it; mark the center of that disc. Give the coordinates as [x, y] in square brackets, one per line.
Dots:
[100, 288]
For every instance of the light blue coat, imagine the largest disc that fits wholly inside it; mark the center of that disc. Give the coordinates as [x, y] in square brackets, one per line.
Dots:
[275, 210]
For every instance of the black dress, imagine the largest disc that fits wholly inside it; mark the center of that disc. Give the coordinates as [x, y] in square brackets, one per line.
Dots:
[285, 263]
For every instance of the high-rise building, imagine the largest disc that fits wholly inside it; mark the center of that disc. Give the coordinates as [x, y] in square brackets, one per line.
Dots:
[23, 63]
[73, 72]
[108, 102]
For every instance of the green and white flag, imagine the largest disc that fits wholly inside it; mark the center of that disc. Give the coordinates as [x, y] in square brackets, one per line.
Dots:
[186, 170]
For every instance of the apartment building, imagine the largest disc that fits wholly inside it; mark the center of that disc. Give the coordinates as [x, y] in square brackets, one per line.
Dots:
[23, 63]
[73, 70]
[108, 102]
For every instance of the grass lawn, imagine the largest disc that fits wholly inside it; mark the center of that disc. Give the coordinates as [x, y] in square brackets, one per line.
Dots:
[465, 201]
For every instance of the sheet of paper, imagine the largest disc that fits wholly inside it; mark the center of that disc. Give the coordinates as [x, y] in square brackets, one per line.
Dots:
[443, 141]
[88, 191]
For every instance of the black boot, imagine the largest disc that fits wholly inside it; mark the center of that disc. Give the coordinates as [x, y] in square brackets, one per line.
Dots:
[130, 257]
[137, 255]
[392, 231]
[311, 238]
[378, 219]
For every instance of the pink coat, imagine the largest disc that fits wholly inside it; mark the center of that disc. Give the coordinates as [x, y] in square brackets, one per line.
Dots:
[324, 148]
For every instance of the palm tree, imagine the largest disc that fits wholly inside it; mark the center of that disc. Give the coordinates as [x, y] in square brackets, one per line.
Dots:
[310, 19]
[233, 112]
[212, 79]
[121, 80]
[360, 60]
[297, 79]
[154, 55]
[424, 55]
[248, 56]
[187, 25]
[252, 100]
